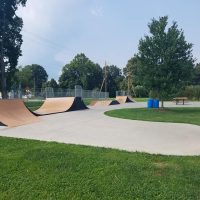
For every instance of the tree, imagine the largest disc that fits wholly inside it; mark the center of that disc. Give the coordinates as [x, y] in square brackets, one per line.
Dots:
[130, 72]
[24, 77]
[52, 83]
[39, 75]
[10, 40]
[81, 71]
[140, 91]
[32, 76]
[113, 79]
[196, 74]
[166, 59]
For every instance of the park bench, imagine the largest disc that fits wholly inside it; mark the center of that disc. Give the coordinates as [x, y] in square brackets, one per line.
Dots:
[180, 99]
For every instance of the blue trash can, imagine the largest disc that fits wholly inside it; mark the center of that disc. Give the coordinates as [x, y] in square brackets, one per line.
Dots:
[156, 103]
[150, 103]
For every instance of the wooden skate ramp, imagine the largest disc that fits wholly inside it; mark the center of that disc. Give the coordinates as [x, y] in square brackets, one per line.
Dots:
[93, 103]
[59, 105]
[14, 113]
[104, 103]
[124, 99]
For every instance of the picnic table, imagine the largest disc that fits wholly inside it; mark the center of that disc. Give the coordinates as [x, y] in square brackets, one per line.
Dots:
[180, 99]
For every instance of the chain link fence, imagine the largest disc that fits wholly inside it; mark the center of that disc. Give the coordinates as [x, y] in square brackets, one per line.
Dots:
[122, 93]
[49, 92]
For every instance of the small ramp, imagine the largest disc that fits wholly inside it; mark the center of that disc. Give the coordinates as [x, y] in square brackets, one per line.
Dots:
[124, 99]
[14, 113]
[104, 103]
[59, 105]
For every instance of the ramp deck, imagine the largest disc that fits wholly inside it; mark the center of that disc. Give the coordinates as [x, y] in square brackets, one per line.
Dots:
[104, 103]
[59, 105]
[14, 113]
[124, 99]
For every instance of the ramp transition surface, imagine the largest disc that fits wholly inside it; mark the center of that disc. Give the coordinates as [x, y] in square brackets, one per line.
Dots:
[14, 113]
[104, 103]
[124, 99]
[59, 105]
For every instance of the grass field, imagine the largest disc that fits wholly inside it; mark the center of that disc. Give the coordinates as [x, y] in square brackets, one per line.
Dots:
[140, 99]
[42, 170]
[88, 101]
[33, 105]
[178, 115]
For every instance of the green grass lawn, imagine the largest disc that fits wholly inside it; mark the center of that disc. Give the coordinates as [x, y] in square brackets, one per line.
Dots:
[178, 115]
[33, 105]
[87, 101]
[42, 170]
[140, 99]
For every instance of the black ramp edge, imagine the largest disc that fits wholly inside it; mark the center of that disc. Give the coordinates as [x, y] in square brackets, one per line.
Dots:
[114, 102]
[78, 104]
[128, 100]
[2, 124]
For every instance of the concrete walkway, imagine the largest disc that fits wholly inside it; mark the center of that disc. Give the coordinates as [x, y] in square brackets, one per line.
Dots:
[92, 127]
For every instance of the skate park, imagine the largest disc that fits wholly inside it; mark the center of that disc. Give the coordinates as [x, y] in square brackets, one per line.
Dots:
[99, 100]
[90, 126]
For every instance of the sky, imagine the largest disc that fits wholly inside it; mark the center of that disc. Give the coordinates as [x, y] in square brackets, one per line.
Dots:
[104, 30]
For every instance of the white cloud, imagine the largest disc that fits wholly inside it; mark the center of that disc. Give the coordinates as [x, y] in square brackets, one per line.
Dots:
[36, 18]
[42, 17]
[98, 12]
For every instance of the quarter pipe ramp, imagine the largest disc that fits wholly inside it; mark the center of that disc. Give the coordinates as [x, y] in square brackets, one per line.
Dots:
[124, 99]
[104, 103]
[59, 105]
[14, 113]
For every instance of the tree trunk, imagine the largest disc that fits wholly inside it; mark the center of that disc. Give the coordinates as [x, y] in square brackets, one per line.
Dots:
[162, 104]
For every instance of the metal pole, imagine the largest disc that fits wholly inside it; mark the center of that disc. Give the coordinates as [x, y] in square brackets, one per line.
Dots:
[34, 85]
[128, 83]
[105, 80]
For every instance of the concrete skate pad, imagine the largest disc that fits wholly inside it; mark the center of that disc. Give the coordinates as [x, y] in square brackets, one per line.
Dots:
[124, 99]
[59, 105]
[14, 113]
[91, 127]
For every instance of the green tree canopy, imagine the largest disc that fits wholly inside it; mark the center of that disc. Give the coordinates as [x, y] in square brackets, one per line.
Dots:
[10, 40]
[166, 59]
[114, 79]
[52, 83]
[196, 74]
[24, 77]
[131, 74]
[81, 71]
[39, 75]
[32, 76]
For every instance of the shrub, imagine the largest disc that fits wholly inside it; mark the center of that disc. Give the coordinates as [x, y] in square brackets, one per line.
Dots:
[140, 91]
[192, 92]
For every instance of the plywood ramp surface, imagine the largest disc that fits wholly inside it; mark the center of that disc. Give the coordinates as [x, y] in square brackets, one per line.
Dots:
[59, 105]
[92, 103]
[124, 99]
[14, 113]
[105, 103]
